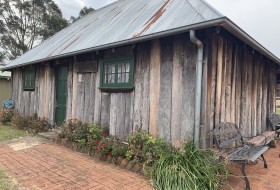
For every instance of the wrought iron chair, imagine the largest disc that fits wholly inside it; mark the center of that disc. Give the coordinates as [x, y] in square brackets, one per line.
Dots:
[228, 138]
[274, 120]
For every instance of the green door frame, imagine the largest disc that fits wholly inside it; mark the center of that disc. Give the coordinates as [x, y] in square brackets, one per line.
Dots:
[61, 93]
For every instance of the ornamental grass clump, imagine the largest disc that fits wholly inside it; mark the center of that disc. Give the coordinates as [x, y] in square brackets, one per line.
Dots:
[190, 168]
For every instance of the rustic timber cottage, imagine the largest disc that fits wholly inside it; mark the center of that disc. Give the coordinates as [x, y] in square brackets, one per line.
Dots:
[172, 67]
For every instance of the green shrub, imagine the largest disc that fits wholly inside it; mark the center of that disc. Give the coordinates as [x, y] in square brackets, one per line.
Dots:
[119, 149]
[6, 116]
[194, 168]
[69, 128]
[105, 146]
[145, 148]
[19, 121]
[94, 135]
[35, 124]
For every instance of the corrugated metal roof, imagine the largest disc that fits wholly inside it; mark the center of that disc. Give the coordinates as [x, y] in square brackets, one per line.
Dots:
[131, 21]
[120, 21]
[4, 74]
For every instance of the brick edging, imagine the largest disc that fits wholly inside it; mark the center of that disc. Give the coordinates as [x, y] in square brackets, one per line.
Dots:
[119, 161]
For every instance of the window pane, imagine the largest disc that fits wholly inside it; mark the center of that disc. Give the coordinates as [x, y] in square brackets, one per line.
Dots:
[119, 78]
[113, 78]
[120, 68]
[127, 67]
[105, 78]
[106, 69]
[113, 68]
[126, 77]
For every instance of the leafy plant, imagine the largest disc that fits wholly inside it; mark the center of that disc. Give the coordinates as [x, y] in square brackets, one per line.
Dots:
[35, 124]
[105, 146]
[6, 116]
[119, 149]
[19, 121]
[192, 168]
[69, 128]
[145, 148]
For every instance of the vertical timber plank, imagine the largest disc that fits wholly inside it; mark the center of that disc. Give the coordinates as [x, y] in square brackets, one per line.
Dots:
[189, 81]
[164, 112]
[219, 80]
[177, 88]
[142, 88]
[154, 86]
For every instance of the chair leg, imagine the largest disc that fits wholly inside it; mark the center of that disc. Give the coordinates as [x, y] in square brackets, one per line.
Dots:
[264, 160]
[245, 177]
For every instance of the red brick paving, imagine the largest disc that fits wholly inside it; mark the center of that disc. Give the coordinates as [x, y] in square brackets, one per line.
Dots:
[259, 177]
[52, 167]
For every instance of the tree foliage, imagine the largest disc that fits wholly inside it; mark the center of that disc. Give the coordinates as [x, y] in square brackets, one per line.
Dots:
[84, 11]
[25, 23]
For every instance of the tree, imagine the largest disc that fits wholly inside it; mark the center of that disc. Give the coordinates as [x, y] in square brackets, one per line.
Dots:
[25, 23]
[84, 11]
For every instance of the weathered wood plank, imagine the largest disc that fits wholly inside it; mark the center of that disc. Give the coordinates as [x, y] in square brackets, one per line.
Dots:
[128, 114]
[164, 112]
[238, 90]
[223, 83]
[69, 95]
[80, 96]
[249, 95]
[255, 78]
[154, 86]
[74, 93]
[97, 100]
[233, 85]
[212, 80]
[105, 110]
[219, 80]
[52, 95]
[177, 89]
[264, 99]
[89, 97]
[259, 79]
[228, 80]
[120, 113]
[189, 73]
[142, 87]
[113, 114]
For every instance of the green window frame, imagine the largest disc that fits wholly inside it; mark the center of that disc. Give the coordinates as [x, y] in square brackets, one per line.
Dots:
[117, 73]
[29, 78]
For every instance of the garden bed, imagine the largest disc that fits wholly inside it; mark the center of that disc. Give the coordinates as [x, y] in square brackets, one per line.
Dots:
[120, 161]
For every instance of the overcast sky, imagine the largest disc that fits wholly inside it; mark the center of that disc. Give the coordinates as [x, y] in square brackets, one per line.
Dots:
[259, 18]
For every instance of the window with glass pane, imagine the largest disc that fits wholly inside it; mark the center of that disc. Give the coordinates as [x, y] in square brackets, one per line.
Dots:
[29, 78]
[117, 73]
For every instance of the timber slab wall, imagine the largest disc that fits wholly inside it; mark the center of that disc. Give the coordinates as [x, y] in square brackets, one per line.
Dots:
[238, 87]
[241, 86]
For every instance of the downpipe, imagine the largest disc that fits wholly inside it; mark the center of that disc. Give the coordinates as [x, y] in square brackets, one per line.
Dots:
[199, 66]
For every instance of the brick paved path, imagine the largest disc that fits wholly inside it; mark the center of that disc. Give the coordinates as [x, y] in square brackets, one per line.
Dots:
[49, 166]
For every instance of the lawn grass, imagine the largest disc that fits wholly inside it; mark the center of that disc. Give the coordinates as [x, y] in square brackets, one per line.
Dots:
[9, 132]
[278, 111]
[6, 183]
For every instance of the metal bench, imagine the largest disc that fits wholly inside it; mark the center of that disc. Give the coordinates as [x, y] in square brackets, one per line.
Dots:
[228, 138]
[274, 120]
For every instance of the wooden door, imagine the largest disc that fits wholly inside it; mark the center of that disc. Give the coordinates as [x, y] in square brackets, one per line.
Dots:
[61, 93]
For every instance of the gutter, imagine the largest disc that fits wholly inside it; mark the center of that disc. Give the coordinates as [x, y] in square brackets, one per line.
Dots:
[198, 85]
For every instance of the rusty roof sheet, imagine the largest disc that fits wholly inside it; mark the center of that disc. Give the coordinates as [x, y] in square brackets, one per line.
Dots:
[120, 21]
